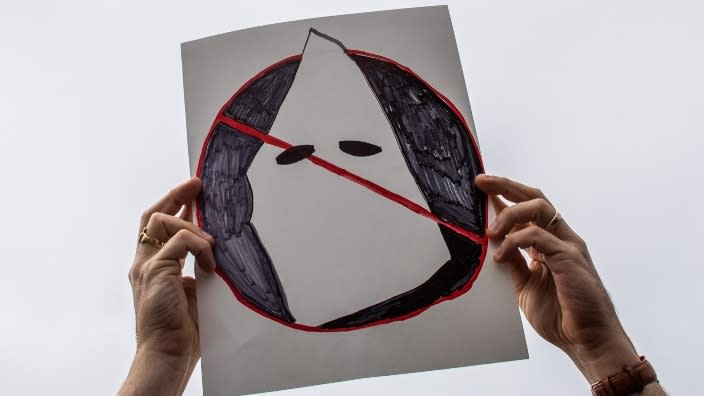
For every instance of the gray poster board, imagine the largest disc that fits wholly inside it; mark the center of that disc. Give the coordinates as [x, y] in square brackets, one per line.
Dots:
[338, 247]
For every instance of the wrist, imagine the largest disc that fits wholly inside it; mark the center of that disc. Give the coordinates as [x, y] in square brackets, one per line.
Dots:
[629, 381]
[608, 358]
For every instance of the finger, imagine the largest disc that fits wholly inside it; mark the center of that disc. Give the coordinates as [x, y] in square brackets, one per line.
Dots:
[537, 211]
[517, 192]
[543, 242]
[531, 237]
[187, 213]
[509, 189]
[520, 273]
[174, 200]
[179, 246]
[499, 205]
[163, 227]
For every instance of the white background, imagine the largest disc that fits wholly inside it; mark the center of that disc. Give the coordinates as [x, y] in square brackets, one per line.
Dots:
[596, 102]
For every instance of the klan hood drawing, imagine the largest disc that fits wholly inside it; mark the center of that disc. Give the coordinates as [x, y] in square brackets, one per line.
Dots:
[265, 134]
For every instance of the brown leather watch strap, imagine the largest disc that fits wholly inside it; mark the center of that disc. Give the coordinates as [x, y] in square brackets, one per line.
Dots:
[627, 382]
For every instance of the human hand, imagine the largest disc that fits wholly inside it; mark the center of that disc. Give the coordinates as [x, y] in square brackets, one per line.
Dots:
[168, 346]
[560, 291]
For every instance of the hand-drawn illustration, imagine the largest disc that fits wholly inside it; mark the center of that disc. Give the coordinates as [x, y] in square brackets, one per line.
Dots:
[436, 143]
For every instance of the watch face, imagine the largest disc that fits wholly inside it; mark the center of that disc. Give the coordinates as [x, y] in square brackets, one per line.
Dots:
[339, 187]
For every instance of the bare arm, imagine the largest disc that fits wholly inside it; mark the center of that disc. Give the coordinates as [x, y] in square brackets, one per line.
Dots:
[153, 373]
[558, 288]
[168, 346]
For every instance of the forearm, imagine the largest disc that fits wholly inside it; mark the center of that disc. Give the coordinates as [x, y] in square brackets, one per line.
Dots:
[152, 373]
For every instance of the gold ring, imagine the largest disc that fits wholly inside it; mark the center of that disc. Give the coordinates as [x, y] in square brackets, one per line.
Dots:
[552, 224]
[146, 238]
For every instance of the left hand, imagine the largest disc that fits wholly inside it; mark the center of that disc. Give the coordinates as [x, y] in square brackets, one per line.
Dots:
[168, 346]
[559, 290]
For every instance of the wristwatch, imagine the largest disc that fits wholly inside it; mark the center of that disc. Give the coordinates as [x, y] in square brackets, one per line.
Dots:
[626, 382]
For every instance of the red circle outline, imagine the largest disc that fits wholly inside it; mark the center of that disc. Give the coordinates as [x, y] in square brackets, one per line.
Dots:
[484, 244]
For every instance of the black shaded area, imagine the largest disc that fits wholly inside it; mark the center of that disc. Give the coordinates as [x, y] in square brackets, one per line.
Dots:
[227, 203]
[359, 148]
[259, 103]
[226, 200]
[453, 275]
[294, 154]
[443, 161]
[436, 145]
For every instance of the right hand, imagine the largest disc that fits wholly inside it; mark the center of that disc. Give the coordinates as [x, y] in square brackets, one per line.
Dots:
[560, 291]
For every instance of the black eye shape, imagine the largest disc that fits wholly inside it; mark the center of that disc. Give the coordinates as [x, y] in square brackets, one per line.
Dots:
[358, 148]
[294, 154]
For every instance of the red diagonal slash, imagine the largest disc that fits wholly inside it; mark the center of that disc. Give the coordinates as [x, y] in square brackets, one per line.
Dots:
[366, 183]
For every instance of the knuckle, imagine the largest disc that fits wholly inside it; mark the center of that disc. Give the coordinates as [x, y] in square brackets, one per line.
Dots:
[507, 216]
[157, 217]
[183, 235]
[533, 230]
[510, 238]
[509, 243]
[533, 233]
[543, 204]
[532, 207]
[150, 218]
[582, 246]
[146, 215]
[537, 192]
[133, 275]
[544, 211]
[580, 242]
[572, 250]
